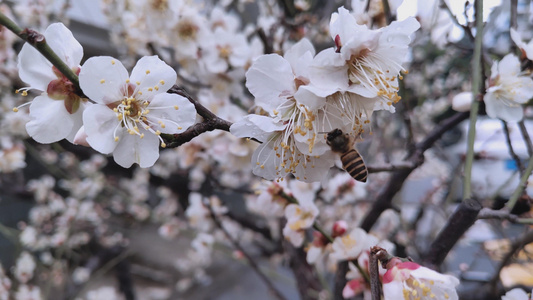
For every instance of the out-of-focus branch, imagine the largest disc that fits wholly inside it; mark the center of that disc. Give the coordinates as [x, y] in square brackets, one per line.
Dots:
[510, 146]
[250, 259]
[384, 198]
[458, 223]
[466, 29]
[387, 11]
[521, 186]
[267, 41]
[38, 41]
[390, 167]
[525, 136]
[210, 122]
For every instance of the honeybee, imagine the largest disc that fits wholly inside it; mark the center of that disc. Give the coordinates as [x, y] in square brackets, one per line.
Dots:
[351, 160]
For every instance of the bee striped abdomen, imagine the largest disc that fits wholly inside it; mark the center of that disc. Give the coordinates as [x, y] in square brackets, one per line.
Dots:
[353, 164]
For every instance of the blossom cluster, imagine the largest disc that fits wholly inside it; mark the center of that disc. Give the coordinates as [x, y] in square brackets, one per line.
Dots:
[303, 95]
[114, 113]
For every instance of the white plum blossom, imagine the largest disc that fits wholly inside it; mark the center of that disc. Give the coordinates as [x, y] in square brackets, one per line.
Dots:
[364, 62]
[349, 246]
[290, 130]
[57, 113]
[516, 294]
[508, 89]
[413, 281]
[28, 292]
[301, 216]
[527, 49]
[24, 267]
[131, 112]
[229, 49]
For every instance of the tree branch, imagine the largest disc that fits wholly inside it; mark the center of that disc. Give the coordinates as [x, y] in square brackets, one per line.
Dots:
[251, 261]
[38, 41]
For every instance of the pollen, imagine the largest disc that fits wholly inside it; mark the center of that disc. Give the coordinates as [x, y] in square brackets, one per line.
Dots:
[176, 107]
[156, 88]
[102, 80]
[116, 139]
[137, 82]
[17, 91]
[142, 135]
[180, 128]
[162, 82]
[158, 132]
[150, 89]
[24, 93]
[15, 109]
[147, 72]
[112, 61]
[128, 80]
[163, 145]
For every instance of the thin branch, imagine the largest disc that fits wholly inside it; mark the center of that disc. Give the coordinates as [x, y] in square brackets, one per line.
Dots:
[384, 199]
[477, 87]
[210, 123]
[387, 11]
[38, 41]
[487, 214]
[521, 186]
[250, 259]
[510, 146]
[390, 167]
[466, 29]
[375, 283]
[525, 136]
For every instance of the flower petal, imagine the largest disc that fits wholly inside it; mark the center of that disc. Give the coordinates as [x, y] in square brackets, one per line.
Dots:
[133, 149]
[497, 109]
[163, 108]
[268, 77]
[103, 79]
[34, 69]
[256, 126]
[50, 121]
[154, 75]
[100, 124]
[61, 40]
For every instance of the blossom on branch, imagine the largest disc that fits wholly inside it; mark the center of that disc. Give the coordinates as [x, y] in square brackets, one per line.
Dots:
[131, 112]
[508, 89]
[57, 113]
[416, 282]
[290, 127]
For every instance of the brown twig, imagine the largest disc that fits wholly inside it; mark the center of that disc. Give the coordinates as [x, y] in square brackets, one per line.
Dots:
[525, 136]
[375, 283]
[210, 122]
[487, 213]
[458, 223]
[390, 167]
[384, 199]
[510, 146]
[250, 259]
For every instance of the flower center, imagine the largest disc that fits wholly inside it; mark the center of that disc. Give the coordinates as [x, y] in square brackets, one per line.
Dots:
[187, 30]
[370, 69]
[62, 89]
